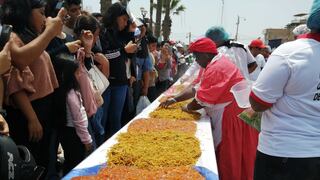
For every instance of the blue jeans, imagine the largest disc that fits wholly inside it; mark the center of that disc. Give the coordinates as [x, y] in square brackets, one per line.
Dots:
[97, 123]
[114, 99]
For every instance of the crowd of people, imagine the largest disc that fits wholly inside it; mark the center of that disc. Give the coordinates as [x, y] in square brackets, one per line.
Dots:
[49, 95]
[49, 99]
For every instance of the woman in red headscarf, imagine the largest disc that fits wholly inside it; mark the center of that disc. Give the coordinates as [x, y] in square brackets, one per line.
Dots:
[235, 141]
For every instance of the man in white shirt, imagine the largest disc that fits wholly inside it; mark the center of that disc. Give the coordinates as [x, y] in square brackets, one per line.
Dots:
[235, 51]
[256, 47]
[74, 10]
[288, 91]
[266, 52]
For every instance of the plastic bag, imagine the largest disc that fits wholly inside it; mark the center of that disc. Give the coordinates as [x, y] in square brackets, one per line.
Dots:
[252, 118]
[142, 103]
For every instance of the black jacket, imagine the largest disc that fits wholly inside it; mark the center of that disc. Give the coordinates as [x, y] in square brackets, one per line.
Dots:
[113, 43]
[143, 49]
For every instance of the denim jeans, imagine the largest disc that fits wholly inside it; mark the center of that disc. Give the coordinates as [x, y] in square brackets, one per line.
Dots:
[98, 126]
[114, 100]
[129, 109]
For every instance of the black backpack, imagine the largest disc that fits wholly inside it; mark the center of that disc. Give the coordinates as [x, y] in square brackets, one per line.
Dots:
[16, 162]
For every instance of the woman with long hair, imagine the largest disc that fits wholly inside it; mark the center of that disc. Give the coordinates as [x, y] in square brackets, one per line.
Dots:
[117, 48]
[32, 79]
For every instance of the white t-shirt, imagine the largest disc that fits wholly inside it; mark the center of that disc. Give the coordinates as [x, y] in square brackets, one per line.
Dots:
[239, 57]
[291, 82]
[260, 64]
[67, 30]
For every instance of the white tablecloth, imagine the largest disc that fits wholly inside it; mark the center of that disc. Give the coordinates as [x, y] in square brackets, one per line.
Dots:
[204, 134]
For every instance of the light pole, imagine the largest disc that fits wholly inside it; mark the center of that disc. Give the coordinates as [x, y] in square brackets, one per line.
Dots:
[189, 36]
[238, 23]
[222, 11]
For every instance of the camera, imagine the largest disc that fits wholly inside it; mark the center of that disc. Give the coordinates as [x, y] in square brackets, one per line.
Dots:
[5, 31]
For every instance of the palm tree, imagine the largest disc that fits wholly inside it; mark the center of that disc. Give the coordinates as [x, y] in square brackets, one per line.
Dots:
[104, 5]
[124, 2]
[158, 18]
[151, 16]
[166, 24]
[171, 7]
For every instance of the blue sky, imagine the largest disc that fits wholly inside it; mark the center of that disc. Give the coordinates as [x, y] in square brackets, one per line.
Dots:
[257, 15]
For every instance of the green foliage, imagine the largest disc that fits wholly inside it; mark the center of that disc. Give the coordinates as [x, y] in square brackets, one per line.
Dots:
[175, 7]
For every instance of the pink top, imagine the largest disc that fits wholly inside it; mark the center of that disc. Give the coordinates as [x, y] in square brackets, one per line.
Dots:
[86, 87]
[77, 117]
[38, 79]
[217, 80]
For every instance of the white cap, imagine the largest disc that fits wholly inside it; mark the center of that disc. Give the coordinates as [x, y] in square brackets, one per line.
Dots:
[301, 29]
[179, 45]
[268, 48]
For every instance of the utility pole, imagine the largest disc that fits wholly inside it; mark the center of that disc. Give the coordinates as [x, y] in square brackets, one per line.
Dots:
[222, 11]
[189, 37]
[238, 22]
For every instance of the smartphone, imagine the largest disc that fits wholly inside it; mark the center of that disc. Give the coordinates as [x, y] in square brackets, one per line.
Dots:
[138, 41]
[5, 34]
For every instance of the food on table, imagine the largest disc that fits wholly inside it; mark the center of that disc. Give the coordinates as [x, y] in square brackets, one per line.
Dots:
[133, 173]
[152, 125]
[154, 149]
[174, 113]
[85, 178]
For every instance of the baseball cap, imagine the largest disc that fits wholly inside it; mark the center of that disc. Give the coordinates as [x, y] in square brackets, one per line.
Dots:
[257, 43]
[179, 45]
[301, 29]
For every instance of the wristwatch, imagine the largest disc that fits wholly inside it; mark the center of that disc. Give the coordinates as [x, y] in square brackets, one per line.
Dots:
[3, 112]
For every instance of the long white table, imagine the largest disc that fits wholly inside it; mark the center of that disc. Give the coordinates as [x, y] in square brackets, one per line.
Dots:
[204, 134]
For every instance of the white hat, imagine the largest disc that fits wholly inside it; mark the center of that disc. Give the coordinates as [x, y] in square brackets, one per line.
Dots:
[268, 48]
[179, 45]
[301, 29]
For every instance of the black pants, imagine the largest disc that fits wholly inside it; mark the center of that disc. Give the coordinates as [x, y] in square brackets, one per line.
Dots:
[74, 151]
[152, 93]
[162, 86]
[19, 132]
[137, 89]
[280, 168]
[129, 109]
